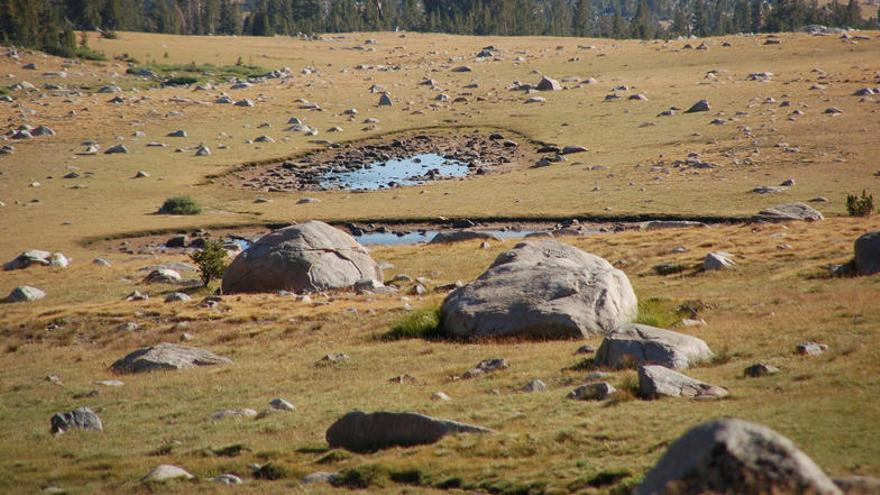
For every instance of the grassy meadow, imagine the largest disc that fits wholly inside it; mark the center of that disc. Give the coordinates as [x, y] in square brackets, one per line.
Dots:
[779, 294]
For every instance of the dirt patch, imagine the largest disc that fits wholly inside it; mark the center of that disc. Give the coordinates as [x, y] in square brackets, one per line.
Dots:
[477, 152]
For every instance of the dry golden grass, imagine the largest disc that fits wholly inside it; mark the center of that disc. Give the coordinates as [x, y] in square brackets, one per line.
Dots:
[773, 300]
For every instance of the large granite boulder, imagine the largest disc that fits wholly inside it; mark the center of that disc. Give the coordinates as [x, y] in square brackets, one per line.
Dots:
[733, 456]
[541, 289]
[166, 356]
[867, 260]
[635, 345]
[303, 258]
[366, 432]
[788, 212]
[659, 381]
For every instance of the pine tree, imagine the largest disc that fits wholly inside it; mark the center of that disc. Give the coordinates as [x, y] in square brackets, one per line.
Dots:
[642, 26]
[581, 22]
[681, 25]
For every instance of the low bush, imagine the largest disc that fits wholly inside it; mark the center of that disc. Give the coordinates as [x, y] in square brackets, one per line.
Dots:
[860, 206]
[180, 205]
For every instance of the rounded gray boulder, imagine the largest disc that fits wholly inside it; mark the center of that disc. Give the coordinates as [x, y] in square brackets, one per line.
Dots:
[867, 260]
[166, 356]
[541, 289]
[367, 432]
[303, 258]
[637, 345]
[735, 456]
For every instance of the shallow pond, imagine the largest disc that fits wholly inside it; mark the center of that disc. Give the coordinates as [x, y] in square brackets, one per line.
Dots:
[403, 172]
[415, 237]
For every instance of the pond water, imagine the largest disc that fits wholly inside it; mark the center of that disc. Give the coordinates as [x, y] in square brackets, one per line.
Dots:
[415, 237]
[393, 239]
[404, 172]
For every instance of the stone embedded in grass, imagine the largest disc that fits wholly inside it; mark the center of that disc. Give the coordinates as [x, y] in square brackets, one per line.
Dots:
[571, 149]
[137, 296]
[656, 381]
[117, 149]
[81, 418]
[166, 472]
[320, 477]
[280, 404]
[203, 150]
[308, 257]
[235, 413]
[700, 106]
[593, 391]
[227, 479]
[32, 257]
[534, 386]
[166, 356]
[717, 261]
[735, 456]
[541, 289]
[24, 293]
[788, 212]
[486, 366]
[367, 432]
[585, 349]
[548, 84]
[635, 345]
[385, 100]
[163, 276]
[760, 369]
[810, 348]
[177, 297]
[867, 254]
[180, 133]
[333, 358]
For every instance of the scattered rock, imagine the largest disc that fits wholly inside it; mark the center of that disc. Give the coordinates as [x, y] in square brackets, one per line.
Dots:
[166, 472]
[366, 432]
[593, 391]
[717, 261]
[867, 258]
[700, 106]
[163, 276]
[656, 381]
[236, 413]
[735, 456]
[486, 366]
[810, 348]
[81, 418]
[24, 293]
[548, 84]
[281, 405]
[788, 212]
[166, 356]
[541, 289]
[302, 258]
[634, 345]
[534, 386]
[760, 369]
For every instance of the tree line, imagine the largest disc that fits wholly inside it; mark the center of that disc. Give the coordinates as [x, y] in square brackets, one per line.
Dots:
[51, 24]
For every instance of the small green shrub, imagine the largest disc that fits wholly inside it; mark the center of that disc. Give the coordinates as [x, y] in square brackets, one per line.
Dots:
[421, 324]
[211, 261]
[363, 477]
[860, 206]
[87, 53]
[180, 81]
[180, 205]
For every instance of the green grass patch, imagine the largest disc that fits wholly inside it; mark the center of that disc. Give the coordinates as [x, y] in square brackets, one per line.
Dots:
[421, 324]
[198, 72]
[180, 205]
[657, 312]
